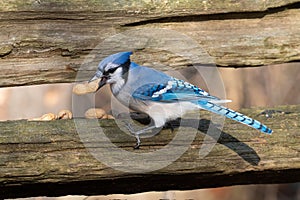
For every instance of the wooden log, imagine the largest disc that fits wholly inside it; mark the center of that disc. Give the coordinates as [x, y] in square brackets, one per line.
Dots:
[51, 41]
[145, 6]
[58, 157]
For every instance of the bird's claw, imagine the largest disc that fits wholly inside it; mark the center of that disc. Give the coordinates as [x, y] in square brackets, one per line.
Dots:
[132, 131]
[139, 132]
[138, 142]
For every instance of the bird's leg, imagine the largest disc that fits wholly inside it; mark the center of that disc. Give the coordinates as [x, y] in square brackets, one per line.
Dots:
[139, 132]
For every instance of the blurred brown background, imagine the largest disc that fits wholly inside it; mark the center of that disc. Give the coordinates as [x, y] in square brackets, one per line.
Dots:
[256, 86]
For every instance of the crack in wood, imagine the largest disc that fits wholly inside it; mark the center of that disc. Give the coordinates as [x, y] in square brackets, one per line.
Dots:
[215, 16]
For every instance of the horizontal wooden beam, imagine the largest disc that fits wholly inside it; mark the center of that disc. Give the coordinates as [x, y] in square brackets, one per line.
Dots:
[66, 157]
[144, 6]
[52, 42]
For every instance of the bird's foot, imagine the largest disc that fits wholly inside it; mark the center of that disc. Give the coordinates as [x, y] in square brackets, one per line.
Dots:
[134, 132]
[138, 142]
[137, 133]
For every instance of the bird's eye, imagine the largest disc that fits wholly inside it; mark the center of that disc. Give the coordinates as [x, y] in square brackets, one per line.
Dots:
[110, 71]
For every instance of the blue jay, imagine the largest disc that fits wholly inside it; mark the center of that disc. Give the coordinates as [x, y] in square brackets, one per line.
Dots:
[159, 95]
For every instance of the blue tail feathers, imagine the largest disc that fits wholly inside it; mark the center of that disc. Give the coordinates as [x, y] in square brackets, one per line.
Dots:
[231, 114]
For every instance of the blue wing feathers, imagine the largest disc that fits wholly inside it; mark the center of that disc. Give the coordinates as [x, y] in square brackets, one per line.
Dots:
[171, 91]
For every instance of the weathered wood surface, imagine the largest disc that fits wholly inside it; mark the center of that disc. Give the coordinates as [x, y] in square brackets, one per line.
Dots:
[49, 158]
[48, 41]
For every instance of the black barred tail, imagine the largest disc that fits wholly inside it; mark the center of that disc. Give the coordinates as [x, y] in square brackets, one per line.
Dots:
[231, 114]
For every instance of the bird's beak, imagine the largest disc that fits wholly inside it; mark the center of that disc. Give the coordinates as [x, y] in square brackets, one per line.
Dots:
[101, 83]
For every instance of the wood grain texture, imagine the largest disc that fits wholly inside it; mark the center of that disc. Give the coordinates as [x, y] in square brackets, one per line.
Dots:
[52, 41]
[50, 158]
[144, 6]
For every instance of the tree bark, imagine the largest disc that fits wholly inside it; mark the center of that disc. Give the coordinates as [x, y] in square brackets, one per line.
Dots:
[52, 41]
[59, 157]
